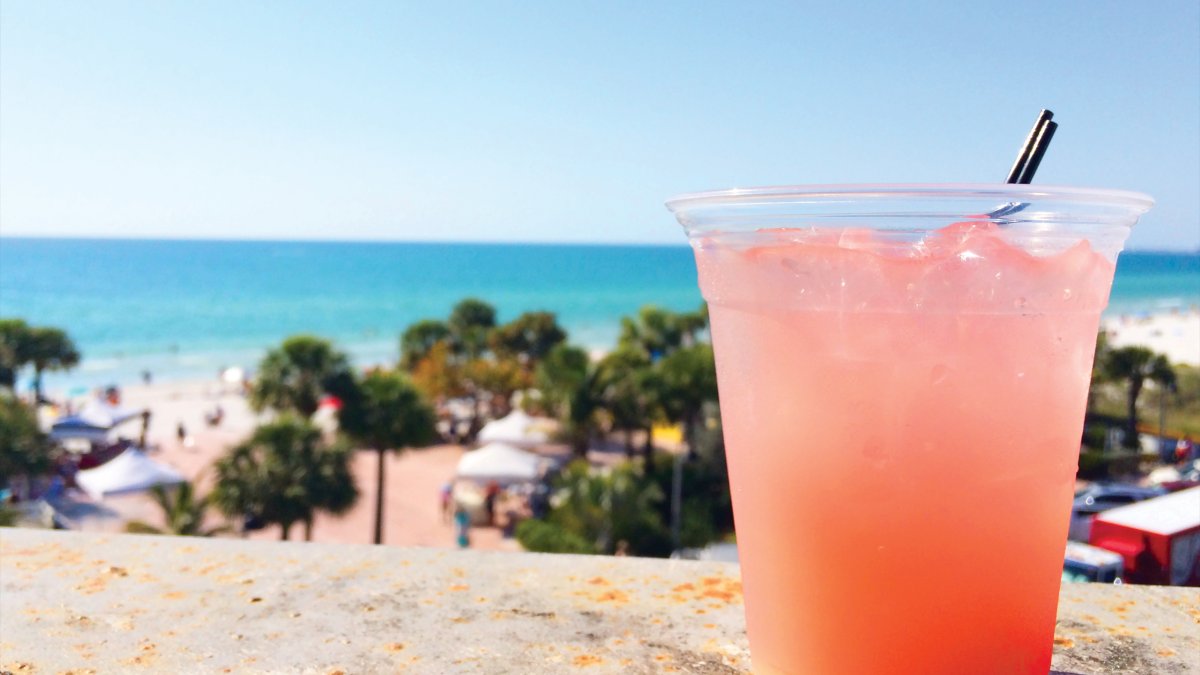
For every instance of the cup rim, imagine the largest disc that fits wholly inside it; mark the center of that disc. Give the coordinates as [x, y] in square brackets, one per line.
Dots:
[1134, 201]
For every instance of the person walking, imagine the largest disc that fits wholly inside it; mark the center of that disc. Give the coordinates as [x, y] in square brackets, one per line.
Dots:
[462, 527]
[489, 501]
[446, 495]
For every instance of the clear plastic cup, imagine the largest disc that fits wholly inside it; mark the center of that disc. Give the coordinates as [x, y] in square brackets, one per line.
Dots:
[903, 372]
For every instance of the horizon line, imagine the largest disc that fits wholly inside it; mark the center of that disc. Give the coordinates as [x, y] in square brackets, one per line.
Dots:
[321, 240]
[484, 242]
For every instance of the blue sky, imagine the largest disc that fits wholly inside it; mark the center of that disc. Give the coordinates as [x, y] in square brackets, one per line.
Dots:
[552, 121]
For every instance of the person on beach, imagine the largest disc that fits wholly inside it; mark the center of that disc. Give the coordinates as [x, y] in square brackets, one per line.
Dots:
[214, 418]
[446, 494]
[489, 501]
[462, 527]
[539, 501]
[184, 438]
[1183, 449]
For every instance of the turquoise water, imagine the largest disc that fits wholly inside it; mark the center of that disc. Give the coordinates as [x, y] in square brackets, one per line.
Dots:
[190, 308]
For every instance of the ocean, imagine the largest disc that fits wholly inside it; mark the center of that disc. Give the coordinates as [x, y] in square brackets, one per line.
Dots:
[187, 309]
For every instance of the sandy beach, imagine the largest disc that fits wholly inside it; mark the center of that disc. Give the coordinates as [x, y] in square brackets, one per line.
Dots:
[412, 515]
[1175, 334]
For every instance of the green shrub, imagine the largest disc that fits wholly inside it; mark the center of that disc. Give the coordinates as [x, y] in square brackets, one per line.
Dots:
[1099, 465]
[1094, 436]
[542, 537]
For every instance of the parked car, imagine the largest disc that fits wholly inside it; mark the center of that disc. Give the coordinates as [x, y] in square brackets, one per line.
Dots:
[1086, 563]
[1102, 497]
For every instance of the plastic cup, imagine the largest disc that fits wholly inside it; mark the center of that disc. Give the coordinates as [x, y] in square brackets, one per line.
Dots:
[903, 373]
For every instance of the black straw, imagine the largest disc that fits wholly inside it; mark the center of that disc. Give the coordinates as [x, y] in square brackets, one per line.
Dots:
[1039, 151]
[1035, 145]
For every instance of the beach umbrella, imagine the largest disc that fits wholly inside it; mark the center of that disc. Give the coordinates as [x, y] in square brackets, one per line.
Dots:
[130, 471]
[501, 463]
[103, 413]
[517, 428]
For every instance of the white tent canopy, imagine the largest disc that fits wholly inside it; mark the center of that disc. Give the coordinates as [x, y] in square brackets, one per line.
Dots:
[71, 427]
[501, 463]
[93, 422]
[130, 471]
[516, 428]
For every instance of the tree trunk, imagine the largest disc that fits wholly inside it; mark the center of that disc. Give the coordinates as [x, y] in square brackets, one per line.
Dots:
[285, 531]
[1131, 434]
[629, 443]
[1162, 412]
[308, 527]
[379, 482]
[476, 420]
[579, 444]
[37, 384]
[648, 448]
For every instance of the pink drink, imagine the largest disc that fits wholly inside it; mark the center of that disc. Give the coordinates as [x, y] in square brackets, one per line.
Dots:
[902, 414]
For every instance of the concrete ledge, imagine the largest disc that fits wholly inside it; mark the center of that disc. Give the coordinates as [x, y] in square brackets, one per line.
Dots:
[123, 603]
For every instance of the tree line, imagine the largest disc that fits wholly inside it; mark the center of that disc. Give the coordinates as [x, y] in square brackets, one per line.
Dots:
[660, 371]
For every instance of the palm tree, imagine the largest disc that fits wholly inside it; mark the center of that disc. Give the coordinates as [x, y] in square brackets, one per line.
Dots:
[1134, 365]
[691, 324]
[1099, 377]
[470, 322]
[627, 388]
[655, 331]
[1167, 382]
[331, 482]
[688, 380]
[24, 449]
[527, 338]
[283, 475]
[14, 347]
[419, 339]
[568, 382]
[560, 374]
[182, 511]
[49, 349]
[386, 412]
[298, 373]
